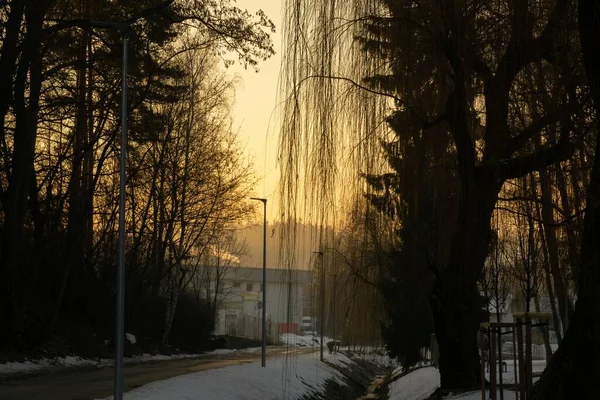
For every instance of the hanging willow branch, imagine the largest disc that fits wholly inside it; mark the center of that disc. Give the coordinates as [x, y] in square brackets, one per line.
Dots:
[332, 123]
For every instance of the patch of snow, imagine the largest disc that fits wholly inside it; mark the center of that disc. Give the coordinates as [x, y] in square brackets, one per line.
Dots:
[253, 350]
[379, 358]
[417, 385]
[508, 395]
[15, 368]
[131, 337]
[46, 364]
[282, 378]
[222, 351]
[159, 357]
[303, 340]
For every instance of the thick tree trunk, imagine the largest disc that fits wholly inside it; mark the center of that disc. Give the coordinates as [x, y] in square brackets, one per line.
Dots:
[455, 304]
[456, 323]
[574, 370]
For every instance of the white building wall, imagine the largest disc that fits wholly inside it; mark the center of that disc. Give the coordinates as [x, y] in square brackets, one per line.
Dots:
[242, 297]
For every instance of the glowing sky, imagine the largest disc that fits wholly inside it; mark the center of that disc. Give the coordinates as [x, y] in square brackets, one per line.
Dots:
[254, 113]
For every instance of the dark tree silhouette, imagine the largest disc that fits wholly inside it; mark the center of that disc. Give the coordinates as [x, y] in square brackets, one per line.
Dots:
[574, 370]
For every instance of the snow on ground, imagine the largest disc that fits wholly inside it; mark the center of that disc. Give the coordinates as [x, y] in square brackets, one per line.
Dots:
[131, 337]
[376, 356]
[419, 384]
[508, 376]
[304, 341]
[46, 364]
[508, 395]
[282, 378]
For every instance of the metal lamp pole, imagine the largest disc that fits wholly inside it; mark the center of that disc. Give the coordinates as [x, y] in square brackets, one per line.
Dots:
[124, 29]
[263, 358]
[334, 315]
[322, 301]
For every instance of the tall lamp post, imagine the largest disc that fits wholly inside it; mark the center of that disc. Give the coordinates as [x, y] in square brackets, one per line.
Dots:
[322, 300]
[263, 358]
[124, 29]
[334, 315]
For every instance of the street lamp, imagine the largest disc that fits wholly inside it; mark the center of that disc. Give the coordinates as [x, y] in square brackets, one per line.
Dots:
[263, 359]
[322, 299]
[334, 316]
[124, 29]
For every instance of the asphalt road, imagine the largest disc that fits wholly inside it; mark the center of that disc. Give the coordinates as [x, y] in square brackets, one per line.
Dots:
[98, 383]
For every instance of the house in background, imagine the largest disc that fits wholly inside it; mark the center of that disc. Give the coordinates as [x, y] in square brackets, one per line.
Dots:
[503, 309]
[515, 303]
[239, 300]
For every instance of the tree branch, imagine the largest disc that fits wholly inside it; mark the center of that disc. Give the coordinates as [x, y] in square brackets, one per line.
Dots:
[514, 168]
[87, 24]
[522, 50]
[399, 102]
[519, 140]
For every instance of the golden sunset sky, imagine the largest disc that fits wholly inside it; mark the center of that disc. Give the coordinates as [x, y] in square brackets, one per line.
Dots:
[255, 113]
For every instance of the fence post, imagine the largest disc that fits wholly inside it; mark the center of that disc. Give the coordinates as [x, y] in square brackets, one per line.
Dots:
[492, 360]
[528, 354]
[522, 374]
[482, 358]
[514, 351]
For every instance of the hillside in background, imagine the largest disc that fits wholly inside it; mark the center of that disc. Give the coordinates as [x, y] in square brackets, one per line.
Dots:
[252, 235]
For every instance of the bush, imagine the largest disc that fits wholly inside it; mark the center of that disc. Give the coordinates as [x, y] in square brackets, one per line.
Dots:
[192, 324]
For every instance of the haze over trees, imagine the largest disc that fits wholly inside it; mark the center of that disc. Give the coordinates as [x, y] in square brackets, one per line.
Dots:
[186, 175]
[468, 129]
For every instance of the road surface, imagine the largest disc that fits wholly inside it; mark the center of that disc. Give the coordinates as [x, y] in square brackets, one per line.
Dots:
[98, 383]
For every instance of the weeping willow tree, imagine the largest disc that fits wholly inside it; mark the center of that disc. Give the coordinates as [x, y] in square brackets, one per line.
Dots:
[321, 165]
[341, 81]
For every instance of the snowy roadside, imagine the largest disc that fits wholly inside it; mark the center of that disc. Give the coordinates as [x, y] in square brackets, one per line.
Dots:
[283, 378]
[422, 382]
[28, 368]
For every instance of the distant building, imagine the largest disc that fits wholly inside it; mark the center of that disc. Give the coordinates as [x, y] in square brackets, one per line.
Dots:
[239, 299]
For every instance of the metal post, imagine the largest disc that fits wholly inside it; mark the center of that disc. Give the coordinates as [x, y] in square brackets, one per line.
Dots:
[263, 358]
[322, 317]
[528, 355]
[493, 363]
[322, 302]
[124, 28]
[482, 358]
[120, 331]
[334, 290]
[500, 378]
[516, 365]
[264, 310]
[522, 376]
